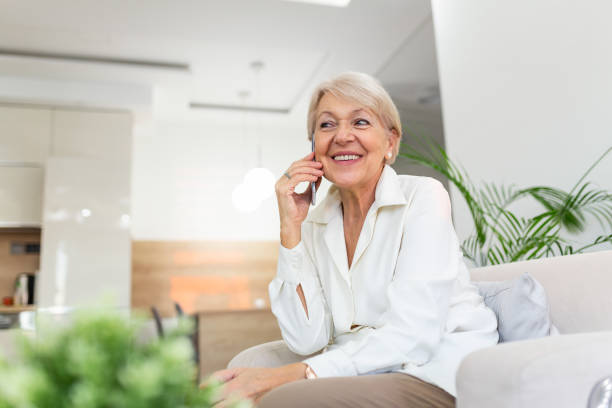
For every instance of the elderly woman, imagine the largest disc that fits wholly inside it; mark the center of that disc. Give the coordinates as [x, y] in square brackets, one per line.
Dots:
[372, 280]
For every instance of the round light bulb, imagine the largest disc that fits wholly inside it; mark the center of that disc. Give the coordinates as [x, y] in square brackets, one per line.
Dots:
[261, 182]
[243, 200]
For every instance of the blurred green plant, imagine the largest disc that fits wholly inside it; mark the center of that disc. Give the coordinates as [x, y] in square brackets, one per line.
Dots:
[500, 235]
[99, 362]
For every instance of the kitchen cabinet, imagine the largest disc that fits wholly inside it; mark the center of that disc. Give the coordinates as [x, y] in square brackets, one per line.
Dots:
[28, 135]
[78, 163]
[21, 196]
[24, 135]
[96, 135]
[86, 242]
[24, 147]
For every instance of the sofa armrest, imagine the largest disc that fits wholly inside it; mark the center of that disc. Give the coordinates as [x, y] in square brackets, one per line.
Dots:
[271, 354]
[557, 371]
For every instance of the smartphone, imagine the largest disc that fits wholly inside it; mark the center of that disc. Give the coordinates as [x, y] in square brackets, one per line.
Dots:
[313, 189]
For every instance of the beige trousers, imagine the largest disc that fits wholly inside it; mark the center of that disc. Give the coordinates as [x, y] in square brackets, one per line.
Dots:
[379, 390]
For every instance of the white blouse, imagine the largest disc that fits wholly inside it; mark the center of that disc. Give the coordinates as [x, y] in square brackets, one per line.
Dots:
[407, 289]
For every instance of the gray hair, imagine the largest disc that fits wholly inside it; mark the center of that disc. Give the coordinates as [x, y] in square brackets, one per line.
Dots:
[364, 90]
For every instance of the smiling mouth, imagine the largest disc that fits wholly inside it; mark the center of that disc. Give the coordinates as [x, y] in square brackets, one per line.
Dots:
[346, 157]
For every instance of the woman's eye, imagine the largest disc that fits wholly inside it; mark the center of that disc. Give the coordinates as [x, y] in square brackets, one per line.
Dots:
[326, 124]
[362, 122]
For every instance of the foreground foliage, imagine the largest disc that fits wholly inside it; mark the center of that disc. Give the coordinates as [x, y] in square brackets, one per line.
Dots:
[97, 361]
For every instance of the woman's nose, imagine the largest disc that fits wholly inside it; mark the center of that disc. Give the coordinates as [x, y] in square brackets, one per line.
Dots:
[344, 133]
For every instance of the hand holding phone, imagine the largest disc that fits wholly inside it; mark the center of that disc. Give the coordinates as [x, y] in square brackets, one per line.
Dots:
[313, 188]
[292, 206]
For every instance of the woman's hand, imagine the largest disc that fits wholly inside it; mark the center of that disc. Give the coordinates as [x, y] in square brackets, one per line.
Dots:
[253, 383]
[293, 207]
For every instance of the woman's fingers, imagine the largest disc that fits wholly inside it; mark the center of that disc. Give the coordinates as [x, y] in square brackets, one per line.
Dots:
[303, 169]
[293, 208]
[298, 172]
[227, 374]
[306, 159]
[290, 184]
[302, 165]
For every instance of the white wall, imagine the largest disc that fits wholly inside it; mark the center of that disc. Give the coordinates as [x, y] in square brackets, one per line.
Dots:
[184, 173]
[526, 91]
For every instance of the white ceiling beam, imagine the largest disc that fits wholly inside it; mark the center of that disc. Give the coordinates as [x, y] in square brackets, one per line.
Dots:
[170, 65]
[74, 93]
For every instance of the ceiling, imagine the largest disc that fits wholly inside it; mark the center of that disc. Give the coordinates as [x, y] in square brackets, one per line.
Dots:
[202, 50]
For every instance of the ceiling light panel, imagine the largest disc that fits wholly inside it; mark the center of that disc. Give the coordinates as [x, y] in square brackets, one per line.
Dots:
[333, 3]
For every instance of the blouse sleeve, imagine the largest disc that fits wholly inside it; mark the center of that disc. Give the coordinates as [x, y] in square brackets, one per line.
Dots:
[303, 334]
[418, 296]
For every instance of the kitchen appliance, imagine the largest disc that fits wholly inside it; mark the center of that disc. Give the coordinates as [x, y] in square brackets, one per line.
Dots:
[24, 289]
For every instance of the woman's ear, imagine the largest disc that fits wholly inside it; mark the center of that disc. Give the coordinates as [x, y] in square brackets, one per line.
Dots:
[394, 140]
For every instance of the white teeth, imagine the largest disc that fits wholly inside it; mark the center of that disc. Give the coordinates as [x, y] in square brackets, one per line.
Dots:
[346, 157]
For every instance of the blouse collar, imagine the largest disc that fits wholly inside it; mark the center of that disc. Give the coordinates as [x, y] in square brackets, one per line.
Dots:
[388, 192]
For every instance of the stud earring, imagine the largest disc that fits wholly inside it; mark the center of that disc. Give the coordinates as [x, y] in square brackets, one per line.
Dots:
[389, 154]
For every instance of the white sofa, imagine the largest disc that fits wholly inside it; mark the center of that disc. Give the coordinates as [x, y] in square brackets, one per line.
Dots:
[557, 371]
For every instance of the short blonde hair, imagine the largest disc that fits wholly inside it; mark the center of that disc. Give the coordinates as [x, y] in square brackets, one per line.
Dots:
[364, 90]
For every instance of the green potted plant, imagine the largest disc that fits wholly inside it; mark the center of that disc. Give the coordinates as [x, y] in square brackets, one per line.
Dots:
[500, 235]
[97, 361]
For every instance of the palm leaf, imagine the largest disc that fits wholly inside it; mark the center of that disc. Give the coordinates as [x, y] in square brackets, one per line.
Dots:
[501, 236]
[600, 240]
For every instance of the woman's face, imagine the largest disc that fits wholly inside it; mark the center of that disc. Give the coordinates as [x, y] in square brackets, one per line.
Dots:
[350, 141]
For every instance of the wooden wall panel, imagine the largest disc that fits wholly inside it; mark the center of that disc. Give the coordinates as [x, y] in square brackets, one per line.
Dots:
[222, 335]
[202, 276]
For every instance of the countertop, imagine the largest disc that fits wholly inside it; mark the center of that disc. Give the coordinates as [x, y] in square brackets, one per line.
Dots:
[16, 309]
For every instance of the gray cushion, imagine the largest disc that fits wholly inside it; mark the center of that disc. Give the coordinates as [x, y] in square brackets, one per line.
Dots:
[521, 308]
